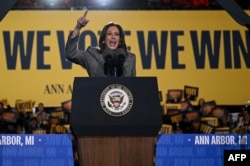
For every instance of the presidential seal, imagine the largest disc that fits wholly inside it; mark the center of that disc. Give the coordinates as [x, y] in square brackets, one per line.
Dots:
[116, 100]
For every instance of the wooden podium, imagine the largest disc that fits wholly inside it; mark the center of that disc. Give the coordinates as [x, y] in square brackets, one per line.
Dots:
[116, 151]
[116, 139]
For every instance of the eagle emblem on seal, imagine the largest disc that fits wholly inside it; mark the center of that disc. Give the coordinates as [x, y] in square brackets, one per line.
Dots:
[116, 100]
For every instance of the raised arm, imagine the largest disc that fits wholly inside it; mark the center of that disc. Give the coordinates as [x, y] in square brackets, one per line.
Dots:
[81, 22]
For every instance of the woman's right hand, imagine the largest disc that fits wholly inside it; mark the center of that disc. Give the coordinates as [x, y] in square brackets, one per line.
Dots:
[82, 21]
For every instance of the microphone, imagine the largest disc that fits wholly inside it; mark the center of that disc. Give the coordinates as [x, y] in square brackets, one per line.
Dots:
[119, 61]
[108, 55]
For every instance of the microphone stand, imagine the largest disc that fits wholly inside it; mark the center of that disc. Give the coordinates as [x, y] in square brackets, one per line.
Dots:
[115, 68]
[109, 64]
[119, 59]
[115, 71]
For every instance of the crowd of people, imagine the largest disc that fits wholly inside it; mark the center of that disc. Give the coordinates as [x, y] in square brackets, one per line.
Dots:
[180, 115]
[205, 117]
[38, 121]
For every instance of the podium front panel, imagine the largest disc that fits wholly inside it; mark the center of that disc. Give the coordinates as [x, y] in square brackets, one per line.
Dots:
[89, 119]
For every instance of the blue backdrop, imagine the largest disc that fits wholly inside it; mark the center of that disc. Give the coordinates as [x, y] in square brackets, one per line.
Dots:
[197, 149]
[36, 150]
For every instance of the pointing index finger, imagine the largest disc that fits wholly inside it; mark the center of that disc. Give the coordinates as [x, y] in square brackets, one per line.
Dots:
[85, 13]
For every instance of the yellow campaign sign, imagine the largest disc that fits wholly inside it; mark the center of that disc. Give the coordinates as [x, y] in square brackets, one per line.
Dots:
[204, 49]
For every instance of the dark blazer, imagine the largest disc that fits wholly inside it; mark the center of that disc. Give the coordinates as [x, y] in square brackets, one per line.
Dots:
[92, 60]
